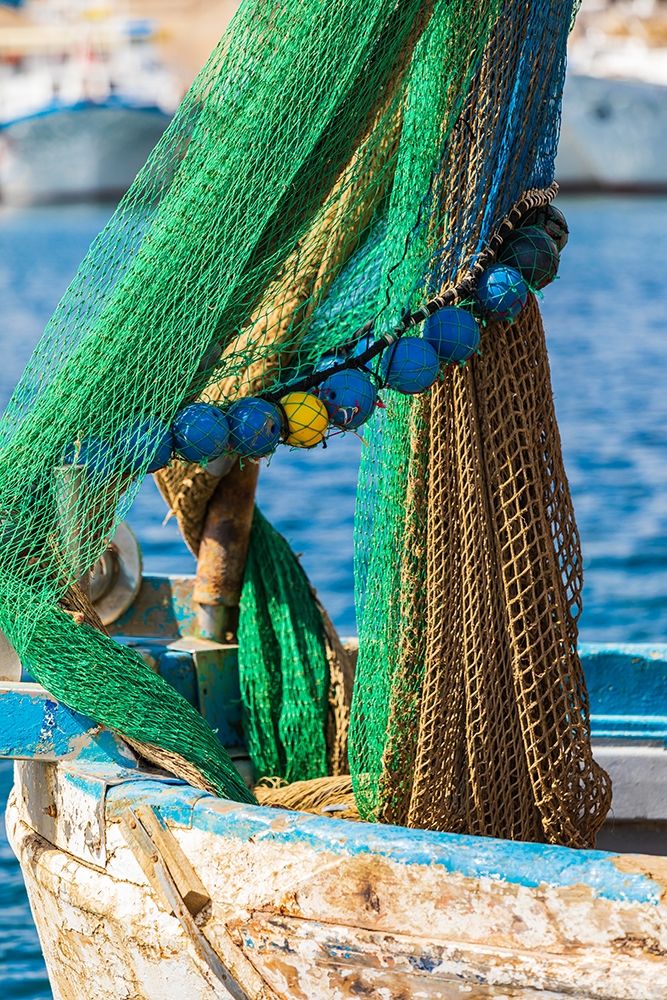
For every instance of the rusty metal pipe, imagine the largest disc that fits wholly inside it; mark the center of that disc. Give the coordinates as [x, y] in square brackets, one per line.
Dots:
[223, 551]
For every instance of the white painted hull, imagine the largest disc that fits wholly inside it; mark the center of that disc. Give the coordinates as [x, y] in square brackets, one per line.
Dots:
[66, 155]
[144, 887]
[614, 135]
[311, 908]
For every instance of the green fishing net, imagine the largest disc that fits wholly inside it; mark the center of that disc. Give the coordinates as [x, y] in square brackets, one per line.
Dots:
[283, 669]
[333, 165]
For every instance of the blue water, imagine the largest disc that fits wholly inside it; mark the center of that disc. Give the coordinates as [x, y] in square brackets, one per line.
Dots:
[607, 328]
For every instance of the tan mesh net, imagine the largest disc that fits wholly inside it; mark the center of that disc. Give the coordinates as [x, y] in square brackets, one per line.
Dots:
[498, 742]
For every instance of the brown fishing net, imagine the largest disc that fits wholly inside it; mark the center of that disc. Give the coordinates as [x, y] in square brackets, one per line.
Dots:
[498, 741]
[489, 719]
[470, 712]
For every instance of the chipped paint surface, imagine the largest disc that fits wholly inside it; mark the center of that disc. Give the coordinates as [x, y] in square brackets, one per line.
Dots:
[35, 726]
[162, 609]
[320, 907]
[104, 937]
[326, 908]
[529, 865]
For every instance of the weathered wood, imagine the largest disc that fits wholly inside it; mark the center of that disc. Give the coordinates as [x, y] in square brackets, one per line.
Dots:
[101, 935]
[223, 551]
[316, 907]
[180, 891]
[189, 885]
[322, 908]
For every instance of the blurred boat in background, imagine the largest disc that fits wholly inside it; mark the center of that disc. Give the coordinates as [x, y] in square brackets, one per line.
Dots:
[614, 130]
[87, 90]
[82, 103]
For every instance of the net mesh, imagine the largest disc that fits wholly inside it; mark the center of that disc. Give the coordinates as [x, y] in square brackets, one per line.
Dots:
[283, 667]
[332, 167]
[499, 741]
[470, 710]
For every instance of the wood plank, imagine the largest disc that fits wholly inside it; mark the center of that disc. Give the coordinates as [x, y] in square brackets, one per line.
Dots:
[226, 963]
[305, 959]
[188, 883]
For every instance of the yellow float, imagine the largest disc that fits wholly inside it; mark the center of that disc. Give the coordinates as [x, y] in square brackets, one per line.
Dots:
[307, 419]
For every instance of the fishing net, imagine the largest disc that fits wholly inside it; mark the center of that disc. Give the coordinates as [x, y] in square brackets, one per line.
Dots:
[295, 675]
[333, 168]
[470, 710]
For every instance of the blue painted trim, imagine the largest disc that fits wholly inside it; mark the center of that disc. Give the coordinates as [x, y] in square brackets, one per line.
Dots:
[627, 688]
[529, 865]
[629, 727]
[112, 103]
[34, 726]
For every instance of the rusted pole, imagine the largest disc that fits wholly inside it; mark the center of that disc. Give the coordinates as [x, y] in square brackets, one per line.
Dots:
[223, 551]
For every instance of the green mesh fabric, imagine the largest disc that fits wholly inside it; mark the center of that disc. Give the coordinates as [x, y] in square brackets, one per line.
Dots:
[283, 669]
[319, 174]
[504, 145]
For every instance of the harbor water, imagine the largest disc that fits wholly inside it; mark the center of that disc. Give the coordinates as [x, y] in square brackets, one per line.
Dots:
[607, 334]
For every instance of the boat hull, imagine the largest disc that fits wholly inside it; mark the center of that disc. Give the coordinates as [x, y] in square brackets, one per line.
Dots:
[79, 153]
[144, 887]
[613, 135]
[308, 907]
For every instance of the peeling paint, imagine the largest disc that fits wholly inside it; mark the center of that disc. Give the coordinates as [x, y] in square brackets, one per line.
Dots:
[34, 726]
[529, 865]
[653, 868]
[319, 907]
[316, 919]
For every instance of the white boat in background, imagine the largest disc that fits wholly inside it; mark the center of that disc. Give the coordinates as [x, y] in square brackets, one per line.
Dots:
[614, 129]
[76, 152]
[81, 106]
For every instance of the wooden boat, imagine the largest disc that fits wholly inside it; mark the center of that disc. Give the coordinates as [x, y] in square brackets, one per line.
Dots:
[142, 886]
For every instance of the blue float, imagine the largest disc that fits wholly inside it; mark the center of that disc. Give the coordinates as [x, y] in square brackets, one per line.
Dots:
[502, 292]
[453, 333]
[97, 456]
[201, 432]
[148, 445]
[410, 365]
[350, 397]
[255, 427]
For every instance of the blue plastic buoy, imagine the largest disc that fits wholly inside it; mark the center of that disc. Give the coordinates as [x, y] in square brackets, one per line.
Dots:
[97, 456]
[254, 426]
[148, 444]
[453, 333]
[201, 432]
[410, 365]
[502, 292]
[349, 397]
